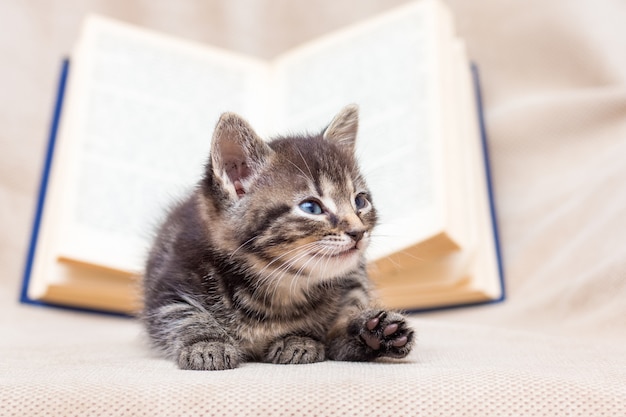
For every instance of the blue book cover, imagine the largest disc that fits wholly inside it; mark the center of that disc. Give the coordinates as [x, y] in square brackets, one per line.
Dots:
[492, 207]
[41, 200]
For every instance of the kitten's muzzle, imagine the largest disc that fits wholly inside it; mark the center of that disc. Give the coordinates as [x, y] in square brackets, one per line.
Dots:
[355, 235]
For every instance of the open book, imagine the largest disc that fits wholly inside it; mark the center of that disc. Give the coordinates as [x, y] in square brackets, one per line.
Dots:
[132, 131]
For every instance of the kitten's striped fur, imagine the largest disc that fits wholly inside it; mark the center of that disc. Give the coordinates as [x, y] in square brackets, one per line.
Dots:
[264, 261]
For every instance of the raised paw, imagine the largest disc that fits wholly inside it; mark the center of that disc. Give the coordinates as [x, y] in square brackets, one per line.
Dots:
[209, 356]
[295, 350]
[387, 334]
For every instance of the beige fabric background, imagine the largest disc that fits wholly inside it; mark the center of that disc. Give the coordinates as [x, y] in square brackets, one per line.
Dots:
[554, 83]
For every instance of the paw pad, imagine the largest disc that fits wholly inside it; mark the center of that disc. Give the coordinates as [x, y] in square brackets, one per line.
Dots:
[388, 335]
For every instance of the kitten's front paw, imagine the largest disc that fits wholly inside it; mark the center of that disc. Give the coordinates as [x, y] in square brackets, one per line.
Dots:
[387, 334]
[295, 350]
[209, 356]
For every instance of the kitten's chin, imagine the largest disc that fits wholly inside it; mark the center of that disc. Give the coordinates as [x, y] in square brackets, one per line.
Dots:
[328, 266]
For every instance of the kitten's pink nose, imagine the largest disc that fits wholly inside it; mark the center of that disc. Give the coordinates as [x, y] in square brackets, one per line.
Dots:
[355, 235]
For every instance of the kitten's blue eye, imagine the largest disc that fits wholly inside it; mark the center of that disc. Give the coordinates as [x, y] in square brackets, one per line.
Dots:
[311, 207]
[360, 201]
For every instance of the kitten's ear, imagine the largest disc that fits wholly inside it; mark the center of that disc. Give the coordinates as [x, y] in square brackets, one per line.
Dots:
[343, 129]
[237, 153]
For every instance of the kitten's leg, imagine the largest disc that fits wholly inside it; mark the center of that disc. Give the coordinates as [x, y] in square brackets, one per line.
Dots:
[190, 335]
[363, 335]
[295, 350]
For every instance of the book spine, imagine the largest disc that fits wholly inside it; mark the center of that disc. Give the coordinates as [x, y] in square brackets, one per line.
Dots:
[41, 198]
[43, 185]
[492, 206]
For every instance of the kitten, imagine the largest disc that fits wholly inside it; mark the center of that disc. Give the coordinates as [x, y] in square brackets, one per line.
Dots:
[264, 261]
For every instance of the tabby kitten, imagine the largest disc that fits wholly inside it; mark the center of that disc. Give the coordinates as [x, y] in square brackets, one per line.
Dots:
[264, 261]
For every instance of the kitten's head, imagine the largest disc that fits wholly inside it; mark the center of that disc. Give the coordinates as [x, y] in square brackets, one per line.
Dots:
[296, 206]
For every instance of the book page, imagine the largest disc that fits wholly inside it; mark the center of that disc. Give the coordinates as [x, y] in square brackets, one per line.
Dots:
[142, 114]
[388, 67]
[481, 280]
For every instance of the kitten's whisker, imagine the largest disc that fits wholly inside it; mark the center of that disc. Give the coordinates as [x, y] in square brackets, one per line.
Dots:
[320, 256]
[273, 280]
[313, 256]
[299, 169]
[295, 277]
[242, 245]
[305, 163]
[410, 255]
[394, 262]
[317, 257]
[327, 261]
[276, 259]
[402, 252]
[301, 247]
